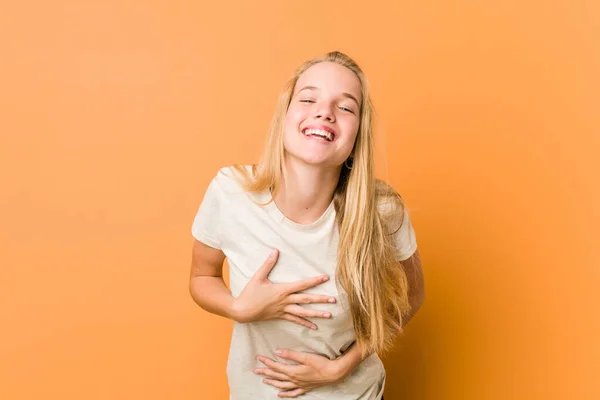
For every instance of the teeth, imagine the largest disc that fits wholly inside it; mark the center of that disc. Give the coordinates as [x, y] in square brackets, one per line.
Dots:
[318, 132]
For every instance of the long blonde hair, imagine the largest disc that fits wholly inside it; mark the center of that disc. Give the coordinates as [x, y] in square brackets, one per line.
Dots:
[367, 269]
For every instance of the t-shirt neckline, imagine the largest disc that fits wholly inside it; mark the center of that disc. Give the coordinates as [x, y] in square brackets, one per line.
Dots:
[277, 213]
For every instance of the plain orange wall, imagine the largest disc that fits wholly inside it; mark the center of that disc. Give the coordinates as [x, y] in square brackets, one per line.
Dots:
[114, 116]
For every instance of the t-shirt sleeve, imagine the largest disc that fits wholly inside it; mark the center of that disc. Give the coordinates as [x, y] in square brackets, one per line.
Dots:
[207, 223]
[405, 240]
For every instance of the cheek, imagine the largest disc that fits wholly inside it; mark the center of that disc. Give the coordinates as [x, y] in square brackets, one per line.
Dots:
[352, 129]
[293, 117]
[292, 122]
[290, 128]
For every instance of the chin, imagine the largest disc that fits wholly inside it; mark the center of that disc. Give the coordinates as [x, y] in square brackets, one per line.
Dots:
[316, 161]
[311, 157]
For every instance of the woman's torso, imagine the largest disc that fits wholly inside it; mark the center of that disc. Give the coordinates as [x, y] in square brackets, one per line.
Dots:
[304, 251]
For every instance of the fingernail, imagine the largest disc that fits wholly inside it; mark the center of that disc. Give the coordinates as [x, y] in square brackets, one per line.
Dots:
[314, 327]
[327, 315]
[255, 371]
[325, 278]
[273, 252]
[278, 352]
[331, 300]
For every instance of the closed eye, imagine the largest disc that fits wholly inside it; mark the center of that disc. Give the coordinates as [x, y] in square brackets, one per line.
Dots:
[345, 109]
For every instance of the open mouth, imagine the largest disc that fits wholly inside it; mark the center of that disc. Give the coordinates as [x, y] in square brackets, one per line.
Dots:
[319, 133]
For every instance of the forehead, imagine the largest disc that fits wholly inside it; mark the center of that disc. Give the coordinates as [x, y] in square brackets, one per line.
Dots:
[330, 77]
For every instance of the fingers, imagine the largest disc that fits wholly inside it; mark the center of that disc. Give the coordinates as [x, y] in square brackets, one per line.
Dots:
[291, 355]
[287, 369]
[305, 283]
[298, 320]
[292, 393]
[300, 311]
[265, 269]
[280, 384]
[272, 374]
[310, 298]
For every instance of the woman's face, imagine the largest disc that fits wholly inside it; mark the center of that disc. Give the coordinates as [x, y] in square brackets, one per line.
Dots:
[322, 120]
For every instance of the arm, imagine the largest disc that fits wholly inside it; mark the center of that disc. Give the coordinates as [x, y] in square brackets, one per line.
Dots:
[207, 287]
[260, 299]
[348, 362]
[314, 370]
[416, 284]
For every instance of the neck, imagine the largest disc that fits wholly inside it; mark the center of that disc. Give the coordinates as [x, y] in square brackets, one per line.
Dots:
[307, 192]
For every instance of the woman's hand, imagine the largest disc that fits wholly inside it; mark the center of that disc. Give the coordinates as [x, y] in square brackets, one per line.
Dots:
[313, 371]
[263, 300]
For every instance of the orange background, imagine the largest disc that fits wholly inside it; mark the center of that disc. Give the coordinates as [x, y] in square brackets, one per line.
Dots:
[114, 116]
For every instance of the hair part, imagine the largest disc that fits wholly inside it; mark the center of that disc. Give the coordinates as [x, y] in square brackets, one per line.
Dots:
[367, 212]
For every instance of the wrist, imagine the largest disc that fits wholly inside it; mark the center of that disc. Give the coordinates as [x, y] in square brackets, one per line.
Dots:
[238, 314]
[342, 367]
[349, 361]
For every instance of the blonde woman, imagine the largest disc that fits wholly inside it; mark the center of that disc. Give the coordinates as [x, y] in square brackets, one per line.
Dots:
[324, 267]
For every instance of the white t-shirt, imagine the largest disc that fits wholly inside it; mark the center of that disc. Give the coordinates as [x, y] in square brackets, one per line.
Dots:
[228, 219]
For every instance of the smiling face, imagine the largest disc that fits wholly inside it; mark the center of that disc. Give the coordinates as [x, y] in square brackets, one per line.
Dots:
[323, 117]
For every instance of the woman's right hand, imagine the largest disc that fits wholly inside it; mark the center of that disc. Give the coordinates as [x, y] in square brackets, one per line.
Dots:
[263, 300]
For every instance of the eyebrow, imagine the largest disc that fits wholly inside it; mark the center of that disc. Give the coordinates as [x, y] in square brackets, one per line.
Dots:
[348, 95]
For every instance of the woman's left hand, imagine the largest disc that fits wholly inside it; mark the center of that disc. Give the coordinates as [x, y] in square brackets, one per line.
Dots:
[313, 371]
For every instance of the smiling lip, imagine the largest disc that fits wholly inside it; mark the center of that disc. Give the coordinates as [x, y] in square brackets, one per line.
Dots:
[323, 128]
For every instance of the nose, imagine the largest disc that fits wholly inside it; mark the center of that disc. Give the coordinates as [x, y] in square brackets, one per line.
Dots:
[325, 112]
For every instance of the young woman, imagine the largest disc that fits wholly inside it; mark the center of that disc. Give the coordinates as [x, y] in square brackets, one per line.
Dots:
[342, 274]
